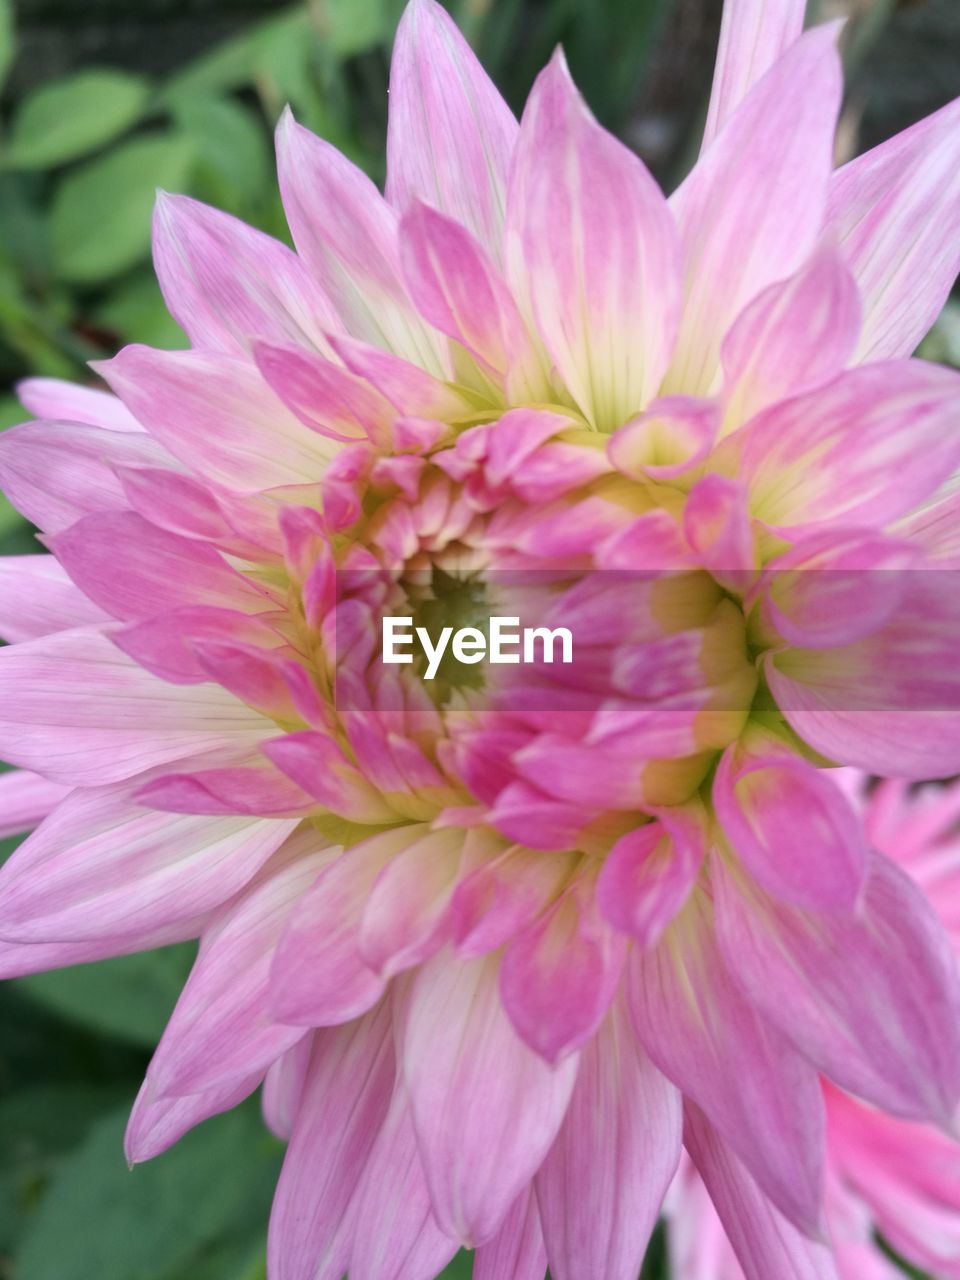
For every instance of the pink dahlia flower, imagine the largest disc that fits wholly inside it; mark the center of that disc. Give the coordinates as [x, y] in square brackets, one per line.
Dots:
[496, 943]
[883, 1174]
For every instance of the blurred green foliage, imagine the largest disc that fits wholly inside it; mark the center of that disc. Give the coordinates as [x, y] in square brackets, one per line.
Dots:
[80, 159]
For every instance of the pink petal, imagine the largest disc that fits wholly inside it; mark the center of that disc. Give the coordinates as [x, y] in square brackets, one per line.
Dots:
[601, 1187]
[895, 213]
[346, 233]
[404, 917]
[317, 764]
[501, 897]
[170, 572]
[486, 1108]
[409, 389]
[166, 645]
[217, 414]
[226, 283]
[766, 1244]
[103, 864]
[796, 335]
[591, 247]
[779, 140]
[834, 588]
[708, 1039]
[55, 472]
[62, 401]
[716, 523]
[319, 976]
[20, 958]
[672, 436]
[649, 873]
[451, 134]
[793, 829]
[325, 397]
[157, 1123]
[222, 1029]
[890, 702]
[259, 790]
[862, 451]
[283, 1088]
[871, 1001]
[257, 677]
[75, 707]
[458, 289]
[753, 35]
[37, 598]
[343, 1107]
[516, 1252]
[25, 800]
[559, 976]
[395, 1235]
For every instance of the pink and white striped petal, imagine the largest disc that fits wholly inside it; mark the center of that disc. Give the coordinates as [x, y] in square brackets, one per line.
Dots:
[56, 472]
[395, 1234]
[346, 233]
[870, 1001]
[451, 135]
[76, 708]
[779, 141]
[895, 214]
[319, 976]
[517, 1251]
[345, 1100]
[102, 863]
[61, 401]
[602, 1184]
[766, 1243]
[706, 1037]
[753, 35]
[219, 416]
[37, 598]
[222, 1030]
[796, 335]
[592, 252]
[226, 283]
[486, 1108]
[26, 799]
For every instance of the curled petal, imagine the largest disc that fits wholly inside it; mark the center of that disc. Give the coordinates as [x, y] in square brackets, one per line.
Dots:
[793, 829]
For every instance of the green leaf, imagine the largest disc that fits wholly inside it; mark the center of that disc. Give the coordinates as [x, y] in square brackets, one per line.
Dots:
[461, 1268]
[232, 164]
[73, 115]
[101, 1221]
[8, 41]
[10, 518]
[39, 1125]
[130, 996]
[100, 219]
[11, 412]
[233, 64]
[136, 312]
[353, 26]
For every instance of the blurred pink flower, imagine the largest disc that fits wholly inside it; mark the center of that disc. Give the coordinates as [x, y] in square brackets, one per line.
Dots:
[493, 943]
[883, 1174]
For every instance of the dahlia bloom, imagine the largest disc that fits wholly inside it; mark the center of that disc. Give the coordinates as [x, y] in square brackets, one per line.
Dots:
[496, 945]
[883, 1174]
